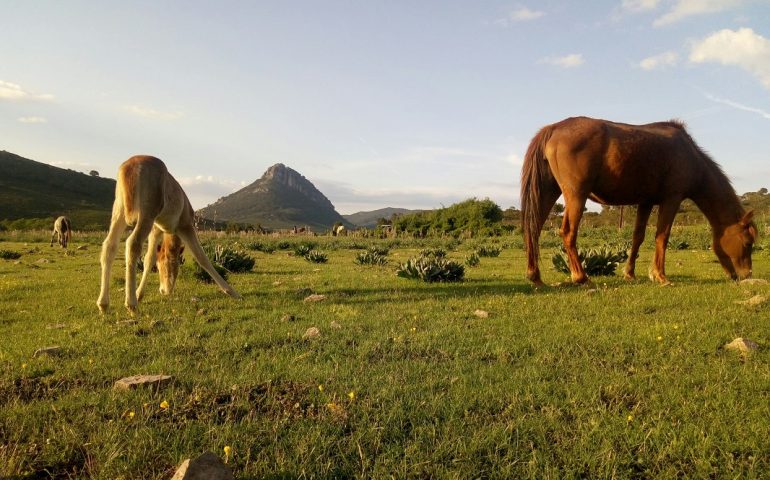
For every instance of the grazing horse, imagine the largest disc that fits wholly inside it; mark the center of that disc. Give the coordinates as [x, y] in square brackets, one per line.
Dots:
[619, 164]
[152, 201]
[63, 228]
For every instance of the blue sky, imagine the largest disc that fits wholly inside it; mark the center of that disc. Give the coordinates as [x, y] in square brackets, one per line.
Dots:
[413, 104]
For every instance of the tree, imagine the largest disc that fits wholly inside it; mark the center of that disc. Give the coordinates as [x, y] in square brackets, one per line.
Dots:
[93, 173]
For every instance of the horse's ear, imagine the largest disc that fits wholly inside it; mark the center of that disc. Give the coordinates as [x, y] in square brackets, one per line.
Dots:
[747, 217]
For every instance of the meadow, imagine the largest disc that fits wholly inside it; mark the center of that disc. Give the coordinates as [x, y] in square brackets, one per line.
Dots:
[626, 379]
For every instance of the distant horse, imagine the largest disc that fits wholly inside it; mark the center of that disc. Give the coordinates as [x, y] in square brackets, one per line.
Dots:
[619, 164]
[150, 199]
[63, 228]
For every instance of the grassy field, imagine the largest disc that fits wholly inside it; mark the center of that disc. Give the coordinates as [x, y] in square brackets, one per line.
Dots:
[627, 380]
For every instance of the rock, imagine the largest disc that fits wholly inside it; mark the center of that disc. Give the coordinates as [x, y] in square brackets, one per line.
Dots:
[194, 299]
[753, 301]
[277, 282]
[288, 318]
[136, 381]
[206, 467]
[50, 351]
[42, 260]
[335, 325]
[201, 311]
[481, 313]
[83, 247]
[311, 333]
[315, 298]
[743, 345]
[753, 281]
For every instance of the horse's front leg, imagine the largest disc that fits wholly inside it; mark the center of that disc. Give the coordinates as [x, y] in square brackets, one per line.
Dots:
[53, 235]
[149, 261]
[666, 213]
[569, 233]
[133, 251]
[190, 238]
[109, 250]
[642, 217]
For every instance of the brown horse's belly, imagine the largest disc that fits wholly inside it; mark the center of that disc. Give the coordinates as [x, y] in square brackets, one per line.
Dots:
[622, 198]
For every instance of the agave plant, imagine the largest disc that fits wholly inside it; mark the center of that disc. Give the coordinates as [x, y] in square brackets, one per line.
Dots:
[487, 251]
[316, 256]
[371, 257]
[431, 269]
[595, 261]
[473, 260]
[433, 252]
[9, 254]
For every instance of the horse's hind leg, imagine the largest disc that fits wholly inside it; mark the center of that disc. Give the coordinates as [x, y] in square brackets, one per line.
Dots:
[569, 232]
[642, 217]
[549, 195]
[190, 238]
[53, 235]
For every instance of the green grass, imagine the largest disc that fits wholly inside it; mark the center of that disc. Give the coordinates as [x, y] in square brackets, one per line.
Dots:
[628, 381]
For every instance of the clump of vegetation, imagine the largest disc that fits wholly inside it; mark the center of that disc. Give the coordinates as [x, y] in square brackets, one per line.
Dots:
[373, 256]
[433, 252]
[679, 245]
[473, 260]
[9, 255]
[596, 261]
[264, 247]
[226, 259]
[316, 256]
[431, 269]
[473, 216]
[303, 248]
[487, 251]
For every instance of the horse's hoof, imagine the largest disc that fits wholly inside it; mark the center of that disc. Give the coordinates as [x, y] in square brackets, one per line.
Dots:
[103, 308]
[132, 310]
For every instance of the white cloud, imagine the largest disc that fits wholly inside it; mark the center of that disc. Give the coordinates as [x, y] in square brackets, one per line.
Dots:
[13, 92]
[204, 190]
[153, 114]
[738, 106]
[662, 60]
[742, 48]
[521, 14]
[687, 8]
[639, 5]
[567, 61]
[32, 120]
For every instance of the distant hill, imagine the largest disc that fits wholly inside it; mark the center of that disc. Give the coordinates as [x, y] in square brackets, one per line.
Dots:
[282, 198]
[369, 219]
[30, 189]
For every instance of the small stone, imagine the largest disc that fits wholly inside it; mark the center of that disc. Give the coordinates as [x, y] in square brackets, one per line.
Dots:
[136, 381]
[753, 281]
[82, 247]
[276, 283]
[335, 325]
[481, 313]
[311, 333]
[195, 299]
[288, 318]
[753, 301]
[592, 290]
[206, 467]
[315, 298]
[50, 351]
[201, 311]
[42, 260]
[55, 326]
[743, 345]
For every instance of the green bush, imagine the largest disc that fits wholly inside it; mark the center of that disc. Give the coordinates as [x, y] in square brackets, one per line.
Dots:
[226, 259]
[371, 257]
[473, 260]
[596, 261]
[431, 269]
[487, 251]
[316, 256]
[303, 248]
[264, 247]
[9, 255]
[204, 276]
[433, 252]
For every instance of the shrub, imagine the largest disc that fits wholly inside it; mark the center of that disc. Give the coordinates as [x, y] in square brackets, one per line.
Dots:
[487, 251]
[679, 245]
[371, 257]
[9, 255]
[595, 261]
[316, 256]
[473, 260]
[230, 257]
[204, 276]
[265, 247]
[302, 249]
[433, 252]
[431, 269]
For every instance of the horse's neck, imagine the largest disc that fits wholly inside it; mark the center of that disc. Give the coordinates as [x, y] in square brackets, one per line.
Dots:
[717, 200]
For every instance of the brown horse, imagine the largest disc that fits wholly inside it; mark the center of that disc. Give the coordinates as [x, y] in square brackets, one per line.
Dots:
[150, 199]
[63, 228]
[619, 164]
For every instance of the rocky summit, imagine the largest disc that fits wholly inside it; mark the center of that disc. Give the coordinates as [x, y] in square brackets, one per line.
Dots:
[282, 198]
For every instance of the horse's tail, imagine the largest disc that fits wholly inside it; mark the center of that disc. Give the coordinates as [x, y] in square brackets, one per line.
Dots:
[537, 180]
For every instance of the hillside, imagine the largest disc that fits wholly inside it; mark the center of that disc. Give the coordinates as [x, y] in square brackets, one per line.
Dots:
[369, 219]
[30, 189]
[282, 198]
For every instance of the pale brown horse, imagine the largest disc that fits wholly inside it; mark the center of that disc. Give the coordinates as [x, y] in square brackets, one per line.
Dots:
[619, 164]
[150, 199]
[63, 228]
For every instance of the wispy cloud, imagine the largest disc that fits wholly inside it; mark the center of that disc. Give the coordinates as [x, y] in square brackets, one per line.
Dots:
[636, 6]
[13, 92]
[687, 8]
[742, 48]
[568, 61]
[737, 106]
[32, 120]
[206, 189]
[151, 113]
[521, 14]
[660, 61]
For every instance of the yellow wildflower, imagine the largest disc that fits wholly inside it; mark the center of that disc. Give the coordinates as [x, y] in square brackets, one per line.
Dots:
[352, 395]
[23, 366]
[630, 418]
[320, 388]
[228, 451]
[164, 405]
[660, 338]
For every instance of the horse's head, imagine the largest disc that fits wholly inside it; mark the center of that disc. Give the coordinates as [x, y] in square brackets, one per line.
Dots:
[169, 259]
[733, 247]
